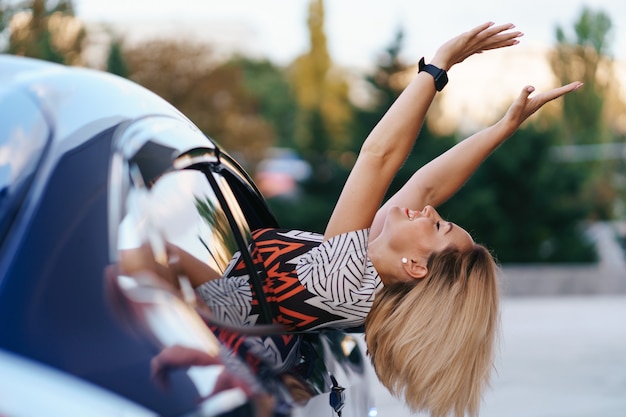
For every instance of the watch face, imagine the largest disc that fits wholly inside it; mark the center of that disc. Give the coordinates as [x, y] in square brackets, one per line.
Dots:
[441, 79]
[440, 76]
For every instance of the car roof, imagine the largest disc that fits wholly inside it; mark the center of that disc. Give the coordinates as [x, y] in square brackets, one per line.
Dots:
[61, 93]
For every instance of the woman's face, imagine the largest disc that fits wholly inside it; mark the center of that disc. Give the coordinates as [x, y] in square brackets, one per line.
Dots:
[424, 231]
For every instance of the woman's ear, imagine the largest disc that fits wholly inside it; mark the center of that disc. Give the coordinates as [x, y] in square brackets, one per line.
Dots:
[415, 269]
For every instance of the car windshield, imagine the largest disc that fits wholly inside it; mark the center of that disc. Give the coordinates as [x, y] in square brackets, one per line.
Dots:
[23, 137]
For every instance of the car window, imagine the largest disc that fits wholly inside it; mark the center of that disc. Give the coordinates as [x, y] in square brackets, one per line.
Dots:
[247, 197]
[183, 194]
[181, 208]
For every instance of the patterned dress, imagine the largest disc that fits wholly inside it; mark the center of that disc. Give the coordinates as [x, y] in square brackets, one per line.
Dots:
[309, 284]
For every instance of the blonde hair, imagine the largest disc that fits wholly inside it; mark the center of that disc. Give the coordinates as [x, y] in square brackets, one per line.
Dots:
[433, 341]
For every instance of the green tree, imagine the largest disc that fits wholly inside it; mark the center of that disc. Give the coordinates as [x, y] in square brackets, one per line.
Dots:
[44, 29]
[322, 130]
[116, 64]
[270, 87]
[383, 86]
[585, 55]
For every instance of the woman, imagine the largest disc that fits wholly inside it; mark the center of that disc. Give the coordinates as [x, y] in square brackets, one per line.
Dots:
[425, 290]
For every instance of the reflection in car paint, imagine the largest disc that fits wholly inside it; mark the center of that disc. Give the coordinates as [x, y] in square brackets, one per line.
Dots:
[178, 334]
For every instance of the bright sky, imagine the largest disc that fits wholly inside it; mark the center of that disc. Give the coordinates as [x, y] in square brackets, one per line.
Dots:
[356, 29]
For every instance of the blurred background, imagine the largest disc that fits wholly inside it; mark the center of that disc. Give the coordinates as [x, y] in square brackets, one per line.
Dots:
[291, 89]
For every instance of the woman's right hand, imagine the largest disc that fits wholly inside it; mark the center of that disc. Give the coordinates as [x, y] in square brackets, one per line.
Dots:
[481, 38]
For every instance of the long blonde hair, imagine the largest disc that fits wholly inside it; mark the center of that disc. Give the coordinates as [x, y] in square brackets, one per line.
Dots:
[433, 341]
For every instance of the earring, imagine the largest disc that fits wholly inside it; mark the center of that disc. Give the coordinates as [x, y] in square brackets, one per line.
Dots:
[405, 260]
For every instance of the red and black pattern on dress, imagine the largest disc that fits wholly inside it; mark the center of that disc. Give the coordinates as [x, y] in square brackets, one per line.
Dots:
[277, 251]
[275, 254]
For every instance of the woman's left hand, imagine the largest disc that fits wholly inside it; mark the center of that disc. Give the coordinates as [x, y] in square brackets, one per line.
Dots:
[525, 106]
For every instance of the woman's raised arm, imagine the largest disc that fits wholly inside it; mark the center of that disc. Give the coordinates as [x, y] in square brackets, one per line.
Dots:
[441, 178]
[388, 145]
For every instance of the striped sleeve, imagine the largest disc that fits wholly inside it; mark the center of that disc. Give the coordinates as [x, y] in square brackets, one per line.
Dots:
[340, 272]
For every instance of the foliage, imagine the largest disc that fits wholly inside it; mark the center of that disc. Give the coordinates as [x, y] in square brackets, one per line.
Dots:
[43, 29]
[270, 88]
[383, 87]
[322, 130]
[211, 93]
[584, 57]
[311, 209]
[587, 119]
[321, 91]
[116, 64]
[522, 203]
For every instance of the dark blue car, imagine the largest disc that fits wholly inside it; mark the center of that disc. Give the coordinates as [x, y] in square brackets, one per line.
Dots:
[92, 167]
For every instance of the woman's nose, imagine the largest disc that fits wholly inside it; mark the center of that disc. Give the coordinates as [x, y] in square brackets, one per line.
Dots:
[429, 211]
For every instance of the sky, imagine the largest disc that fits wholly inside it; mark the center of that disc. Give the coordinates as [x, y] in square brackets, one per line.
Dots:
[357, 30]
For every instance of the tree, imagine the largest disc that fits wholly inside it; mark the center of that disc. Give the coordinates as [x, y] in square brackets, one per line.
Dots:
[45, 30]
[321, 92]
[321, 133]
[383, 87]
[116, 64]
[210, 92]
[585, 55]
[269, 86]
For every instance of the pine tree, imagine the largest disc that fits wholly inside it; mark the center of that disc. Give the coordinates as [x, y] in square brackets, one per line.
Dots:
[116, 64]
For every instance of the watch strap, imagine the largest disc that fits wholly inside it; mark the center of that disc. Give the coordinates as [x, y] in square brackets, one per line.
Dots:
[440, 76]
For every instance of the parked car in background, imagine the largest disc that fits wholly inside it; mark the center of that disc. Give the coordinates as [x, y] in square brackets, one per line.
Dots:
[92, 166]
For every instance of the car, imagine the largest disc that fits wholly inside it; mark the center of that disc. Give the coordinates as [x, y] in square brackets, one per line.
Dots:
[95, 168]
[56, 393]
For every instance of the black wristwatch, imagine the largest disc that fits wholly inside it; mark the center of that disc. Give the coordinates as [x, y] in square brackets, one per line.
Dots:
[440, 76]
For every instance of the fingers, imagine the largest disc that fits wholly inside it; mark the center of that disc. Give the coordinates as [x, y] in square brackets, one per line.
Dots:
[527, 91]
[480, 28]
[552, 94]
[487, 37]
[525, 105]
[521, 102]
[561, 91]
[499, 37]
[540, 100]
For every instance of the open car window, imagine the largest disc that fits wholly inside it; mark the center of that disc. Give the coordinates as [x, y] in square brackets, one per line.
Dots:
[183, 194]
[182, 209]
